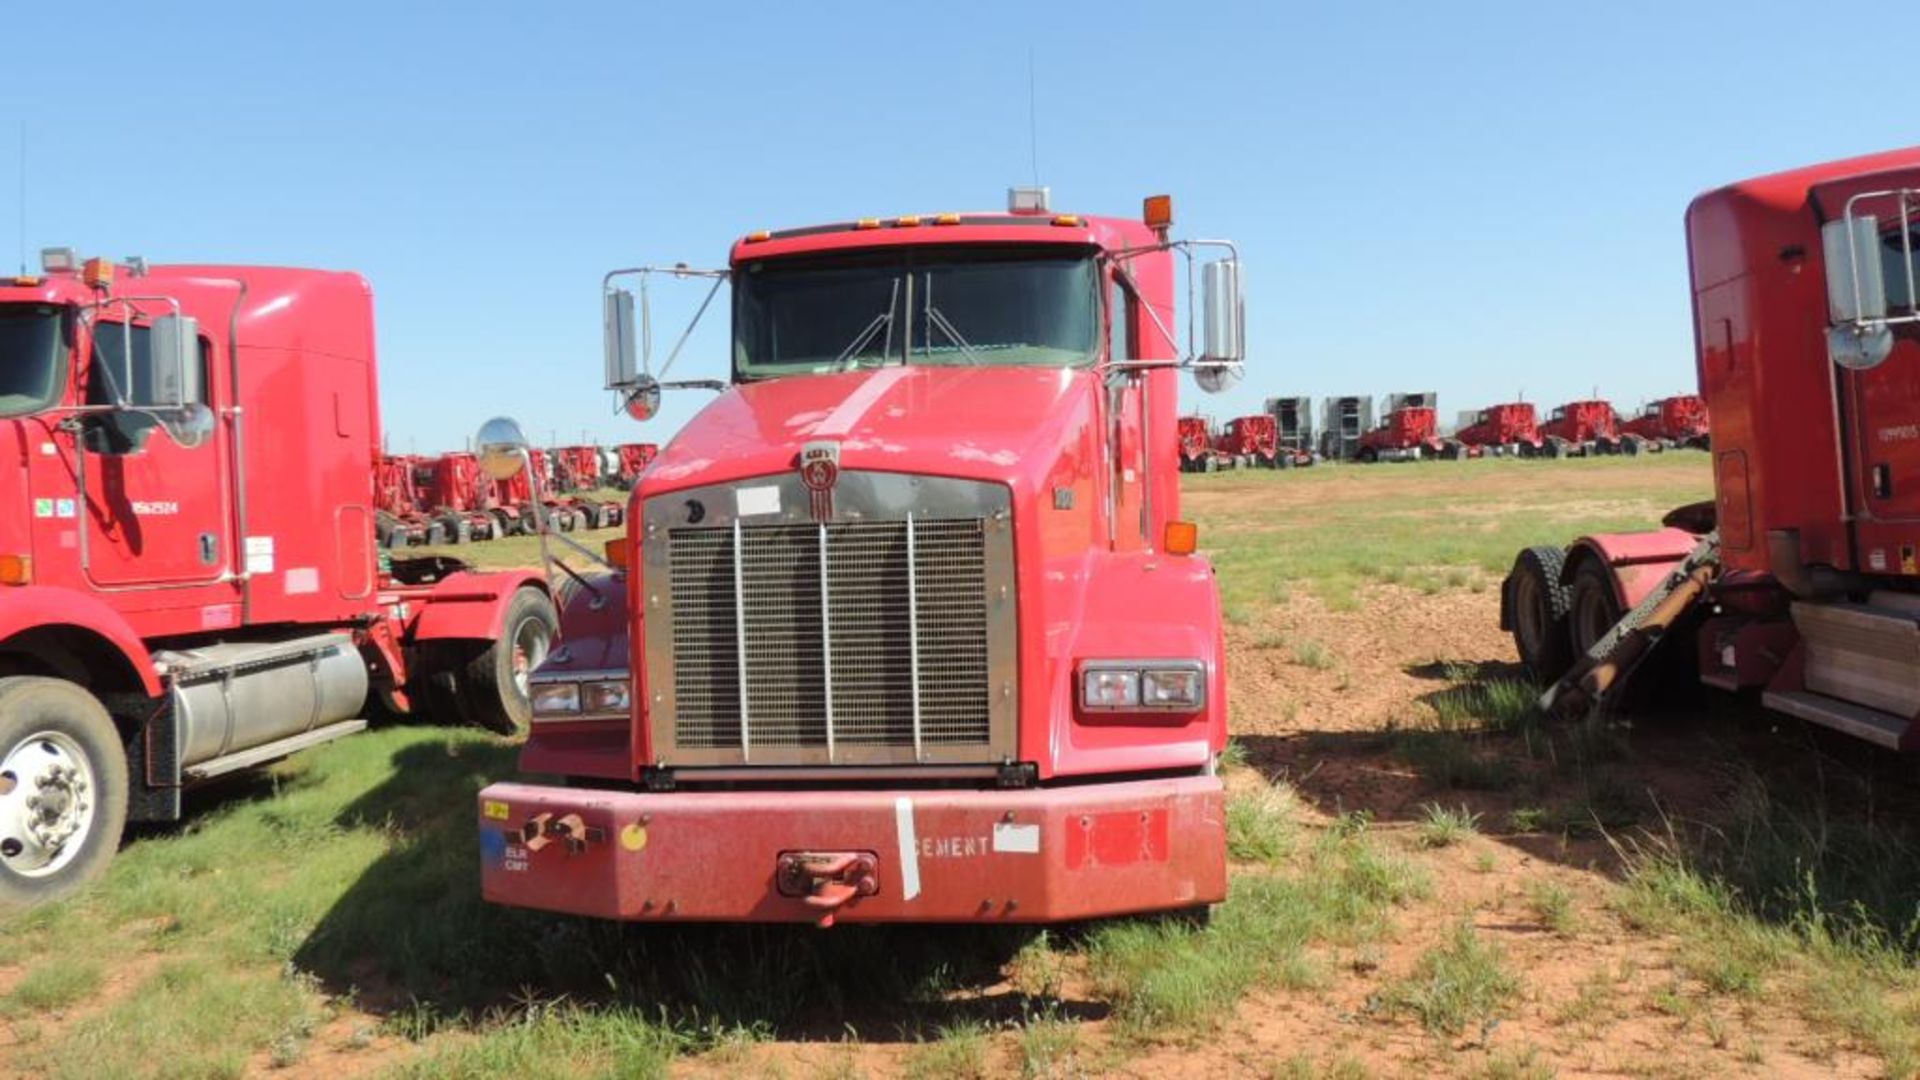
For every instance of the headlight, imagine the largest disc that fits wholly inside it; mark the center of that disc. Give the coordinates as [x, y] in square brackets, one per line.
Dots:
[1143, 686]
[604, 697]
[556, 699]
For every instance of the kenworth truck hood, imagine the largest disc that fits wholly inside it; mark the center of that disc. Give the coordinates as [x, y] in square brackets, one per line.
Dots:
[1006, 424]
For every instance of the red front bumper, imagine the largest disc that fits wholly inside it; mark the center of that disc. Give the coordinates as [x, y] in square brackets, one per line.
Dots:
[1042, 855]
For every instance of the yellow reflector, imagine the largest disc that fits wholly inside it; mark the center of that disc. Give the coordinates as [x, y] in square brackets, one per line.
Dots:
[1158, 210]
[97, 273]
[617, 552]
[907, 220]
[1183, 538]
[756, 237]
[26, 281]
[867, 223]
[496, 810]
[947, 219]
[1066, 219]
[633, 836]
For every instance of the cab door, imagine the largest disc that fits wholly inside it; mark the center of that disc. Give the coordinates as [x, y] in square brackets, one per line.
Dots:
[153, 510]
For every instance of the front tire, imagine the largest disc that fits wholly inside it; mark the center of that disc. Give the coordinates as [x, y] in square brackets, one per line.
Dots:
[63, 790]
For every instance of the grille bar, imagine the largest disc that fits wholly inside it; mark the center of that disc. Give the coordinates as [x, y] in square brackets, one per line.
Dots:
[740, 642]
[826, 636]
[913, 636]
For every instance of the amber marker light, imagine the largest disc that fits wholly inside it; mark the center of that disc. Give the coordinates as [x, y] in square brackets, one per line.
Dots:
[1158, 211]
[97, 273]
[947, 219]
[1068, 220]
[758, 237]
[1182, 538]
[617, 549]
[16, 569]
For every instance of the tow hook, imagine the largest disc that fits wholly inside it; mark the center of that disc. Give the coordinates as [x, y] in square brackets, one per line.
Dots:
[543, 829]
[828, 880]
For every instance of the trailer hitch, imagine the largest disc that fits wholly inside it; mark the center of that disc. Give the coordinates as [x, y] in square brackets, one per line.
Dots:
[828, 880]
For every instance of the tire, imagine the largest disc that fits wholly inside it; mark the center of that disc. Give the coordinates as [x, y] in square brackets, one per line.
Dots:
[48, 725]
[1557, 448]
[1592, 608]
[482, 683]
[1367, 456]
[1535, 607]
[1630, 446]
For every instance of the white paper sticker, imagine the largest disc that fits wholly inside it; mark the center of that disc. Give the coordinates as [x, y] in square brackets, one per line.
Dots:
[1877, 559]
[259, 554]
[751, 501]
[1016, 839]
[303, 579]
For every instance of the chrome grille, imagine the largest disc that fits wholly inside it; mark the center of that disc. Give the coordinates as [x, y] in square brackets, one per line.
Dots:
[843, 635]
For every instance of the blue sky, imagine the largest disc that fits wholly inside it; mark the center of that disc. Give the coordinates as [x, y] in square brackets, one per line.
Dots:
[1480, 199]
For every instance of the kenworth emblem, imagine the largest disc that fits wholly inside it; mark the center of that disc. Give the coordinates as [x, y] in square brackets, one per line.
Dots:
[819, 471]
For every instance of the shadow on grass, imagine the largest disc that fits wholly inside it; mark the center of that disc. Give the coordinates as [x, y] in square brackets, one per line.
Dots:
[411, 940]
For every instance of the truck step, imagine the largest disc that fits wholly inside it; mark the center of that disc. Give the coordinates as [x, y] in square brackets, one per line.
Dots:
[1883, 729]
[1868, 654]
[273, 751]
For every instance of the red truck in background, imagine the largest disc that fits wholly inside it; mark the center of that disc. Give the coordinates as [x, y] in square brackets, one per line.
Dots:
[1800, 580]
[1195, 445]
[905, 627]
[1510, 429]
[1251, 440]
[1582, 429]
[1408, 433]
[189, 583]
[630, 460]
[1671, 422]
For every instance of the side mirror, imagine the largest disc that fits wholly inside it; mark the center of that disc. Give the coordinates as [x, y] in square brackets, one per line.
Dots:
[173, 356]
[1224, 313]
[501, 448]
[643, 397]
[1856, 282]
[621, 338]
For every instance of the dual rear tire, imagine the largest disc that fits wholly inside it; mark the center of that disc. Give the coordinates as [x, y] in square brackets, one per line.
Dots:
[1555, 620]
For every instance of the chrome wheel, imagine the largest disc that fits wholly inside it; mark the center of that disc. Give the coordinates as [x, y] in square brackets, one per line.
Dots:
[48, 803]
[531, 643]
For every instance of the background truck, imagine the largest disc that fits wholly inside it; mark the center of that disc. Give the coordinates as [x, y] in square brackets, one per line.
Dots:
[1343, 420]
[1251, 440]
[909, 628]
[1582, 429]
[1293, 430]
[1670, 422]
[189, 583]
[1409, 431]
[1800, 580]
[1195, 446]
[1509, 429]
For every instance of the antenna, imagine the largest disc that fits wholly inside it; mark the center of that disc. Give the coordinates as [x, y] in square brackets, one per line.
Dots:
[23, 197]
[1033, 125]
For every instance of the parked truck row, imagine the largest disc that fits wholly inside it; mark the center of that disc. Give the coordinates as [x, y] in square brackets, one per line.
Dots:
[448, 499]
[1409, 429]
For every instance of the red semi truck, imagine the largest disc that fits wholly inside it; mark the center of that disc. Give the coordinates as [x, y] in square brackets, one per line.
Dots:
[1582, 429]
[1409, 433]
[1508, 429]
[909, 628]
[189, 583]
[1675, 421]
[1251, 440]
[1800, 580]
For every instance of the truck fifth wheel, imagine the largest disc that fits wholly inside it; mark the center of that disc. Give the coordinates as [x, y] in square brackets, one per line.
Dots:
[909, 629]
[189, 582]
[1800, 580]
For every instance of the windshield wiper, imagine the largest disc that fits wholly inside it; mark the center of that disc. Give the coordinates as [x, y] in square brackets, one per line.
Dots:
[850, 355]
[938, 320]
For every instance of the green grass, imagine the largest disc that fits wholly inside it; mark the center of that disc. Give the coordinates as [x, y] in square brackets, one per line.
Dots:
[56, 982]
[1441, 826]
[1463, 982]
[1312, 654]
[1457, 528]
[962, 1052]
[1552, 904]
[1260, 824]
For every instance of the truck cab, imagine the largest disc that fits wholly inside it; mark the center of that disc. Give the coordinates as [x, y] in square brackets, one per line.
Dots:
[906, 625]
[189, 584]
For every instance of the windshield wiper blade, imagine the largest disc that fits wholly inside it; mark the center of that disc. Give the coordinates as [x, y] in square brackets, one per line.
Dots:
[860, 340]
[936, 319]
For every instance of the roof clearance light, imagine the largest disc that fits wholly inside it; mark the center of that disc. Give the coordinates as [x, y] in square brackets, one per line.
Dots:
[1028, 200]
[757, 237]
[60, 260]
[867, 223]
[1158, 210]
[907, 221]
[97, 273]
[1068, 220]
[26, 281]
[947, 219]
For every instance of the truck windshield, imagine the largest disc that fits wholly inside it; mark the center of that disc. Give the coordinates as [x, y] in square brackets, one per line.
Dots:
[945, 306]
[33, 357]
